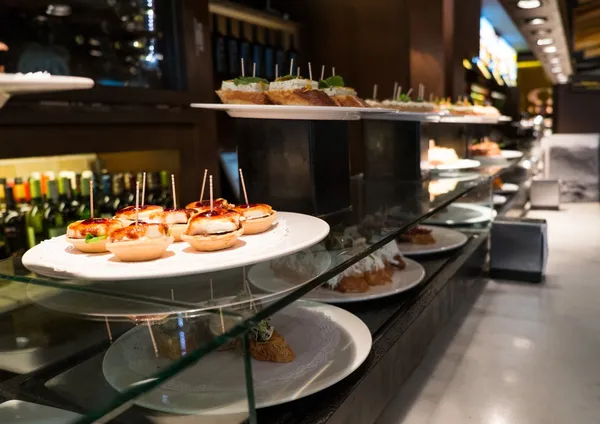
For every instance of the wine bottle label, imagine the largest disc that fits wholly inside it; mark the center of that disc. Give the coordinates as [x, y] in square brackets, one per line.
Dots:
[58, 231]
[31, 242]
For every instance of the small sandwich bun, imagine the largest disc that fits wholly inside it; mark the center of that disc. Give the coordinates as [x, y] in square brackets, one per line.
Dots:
[213, 230]
[177, 220]
[204, 205]
[258, 218]
[141, 242]
[96, 227]
[147, 213]
[243, 97]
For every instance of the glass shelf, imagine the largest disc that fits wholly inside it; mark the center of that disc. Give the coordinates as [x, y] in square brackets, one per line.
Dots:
[165, 326]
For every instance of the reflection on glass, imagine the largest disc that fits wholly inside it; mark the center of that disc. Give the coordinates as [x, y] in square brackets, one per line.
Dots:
[115, 42]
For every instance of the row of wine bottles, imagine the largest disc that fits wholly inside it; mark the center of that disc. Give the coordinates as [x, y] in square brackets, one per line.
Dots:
[260, 48]
[40, 207]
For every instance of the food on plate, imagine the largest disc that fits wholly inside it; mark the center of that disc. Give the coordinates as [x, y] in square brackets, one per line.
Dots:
[147, 213]
[486, 111]
[461, 107]
[417, 235]
[177, 220]
[204, 205]
[244, 91]
[441, 156]
[498, 183]
[485, 148]
[91, 235]
[139, 242]
[374, 270]
[301, 266]
[266, 344]
[404, 103]
[176, 338]
[298, 91]
[258, 217]
[212, 230]
[335, 88]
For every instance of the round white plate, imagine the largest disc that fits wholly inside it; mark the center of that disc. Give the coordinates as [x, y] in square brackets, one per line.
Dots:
[322, 113]
[506, 156]
[507, 188]
[262, 277]
[38, 82]
[462, 214]
[468, 119]
[215, 385]
[18, 411]
[290, 233]
[398, 115]
[445, 240]
[460, 164]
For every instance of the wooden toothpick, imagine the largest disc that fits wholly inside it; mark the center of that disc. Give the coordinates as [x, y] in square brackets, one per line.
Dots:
[91, 197]
[333, 71]
[243, 71]
[298, 72]
[408, 92]
[108, 329]
[210, 186]
[292, 66]
[152, 337]
[395, 94]
[276, 70]
[375, 91]
[174, 195]
[322, 72]
[143, 189]
[243, 186]
[309, 71]
[203, 184]
[137, 201]
[254, 69]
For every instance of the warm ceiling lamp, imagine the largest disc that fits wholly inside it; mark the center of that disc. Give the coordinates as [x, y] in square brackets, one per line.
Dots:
[536, 21]
[545, 41]
[529, 4]
[550, 49]
[555, 61]
[541, 32]
[556, 70]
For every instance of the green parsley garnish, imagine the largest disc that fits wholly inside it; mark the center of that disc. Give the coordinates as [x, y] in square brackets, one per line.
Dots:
[249, 80]
[89, 238]
[263, 331]
[333, 81]
[404, 98]
[286, 78]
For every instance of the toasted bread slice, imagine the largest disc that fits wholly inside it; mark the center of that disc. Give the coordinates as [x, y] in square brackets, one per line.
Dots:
[299, 97]
[243, 97]
[349, 101]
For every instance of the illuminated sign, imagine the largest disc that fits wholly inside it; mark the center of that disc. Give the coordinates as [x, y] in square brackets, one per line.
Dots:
[497, 54]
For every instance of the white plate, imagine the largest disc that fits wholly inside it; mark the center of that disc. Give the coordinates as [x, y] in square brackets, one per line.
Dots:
[503, 158]
[468, 119]
[322, 113]
[215, 385]
[507, 188]
[290, 233]
[462, 214]
[38, 82]
[262, 277]
[398, 115]
[18, 411]
[445, 240]
[460, 164]
[498, 200]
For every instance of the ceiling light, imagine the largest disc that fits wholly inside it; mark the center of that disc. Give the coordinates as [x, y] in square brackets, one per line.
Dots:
[536, 21]
[555, 61]
[545, 41]
[556, 70]
[541, 32]
[550, 49]
[58, 10]
[529, 4]
[562, 79]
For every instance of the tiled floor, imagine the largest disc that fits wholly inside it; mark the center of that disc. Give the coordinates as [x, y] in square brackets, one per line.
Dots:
[523, 354]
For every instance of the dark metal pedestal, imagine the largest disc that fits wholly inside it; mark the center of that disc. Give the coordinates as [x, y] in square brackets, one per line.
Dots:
[298, 166]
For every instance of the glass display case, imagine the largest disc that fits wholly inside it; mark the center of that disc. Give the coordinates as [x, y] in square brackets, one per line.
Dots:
[225, 344]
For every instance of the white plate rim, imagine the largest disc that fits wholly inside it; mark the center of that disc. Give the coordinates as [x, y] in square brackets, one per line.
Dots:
[14, 84]
[460, 164]
[355, 329]
[34, 264]
[430, 249]
[483, 210]
[352, 297]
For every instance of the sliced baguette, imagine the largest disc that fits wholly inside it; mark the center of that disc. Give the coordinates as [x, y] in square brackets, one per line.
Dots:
[243, 97]
[300, 97]
[349, 101]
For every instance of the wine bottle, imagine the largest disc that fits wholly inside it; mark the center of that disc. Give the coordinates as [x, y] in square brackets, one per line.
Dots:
[280, 55]
[245, 49]
[129, 188]
[153, 192]
[14, 226]
[84, 206]
[34, 220]
[64, 197]
[258, 52]
[105, 208]
[269, 68]
[166, 197]
[233, 52]
[54, 222]
[219, 49]
[118, 190]
[2, 195]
